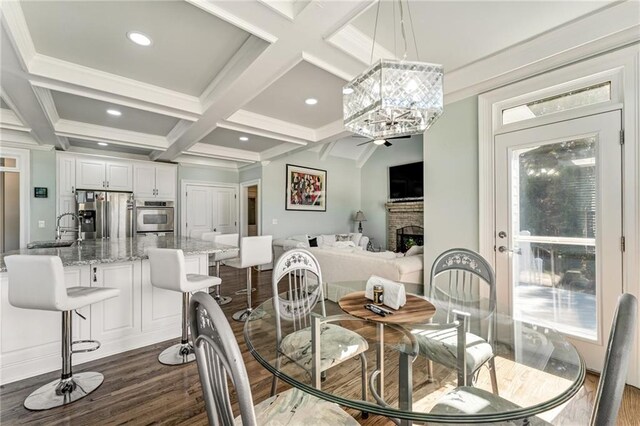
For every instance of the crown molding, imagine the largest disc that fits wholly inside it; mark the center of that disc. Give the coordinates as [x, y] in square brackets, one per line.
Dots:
[19, 139]
[326, 150]
[13, 18]
[79, 76]
[331, 130]
[357, 44]
[239, 62]
[284, 8]
[46, 102]
[278, 151]
[185, 160]
[93, 132]
[608, 29]
[178, 130]
[270, 127]
[223, 153]
[327, 66]
[105, 154]
[9, 120]
[234, 20]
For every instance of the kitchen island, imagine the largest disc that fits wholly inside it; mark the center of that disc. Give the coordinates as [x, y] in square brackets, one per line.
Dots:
[140, 316]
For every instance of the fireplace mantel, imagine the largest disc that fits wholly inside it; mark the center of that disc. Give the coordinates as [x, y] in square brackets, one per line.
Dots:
[401, 214]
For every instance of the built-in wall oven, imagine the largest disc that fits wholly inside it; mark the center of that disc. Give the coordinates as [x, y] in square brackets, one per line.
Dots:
[154, 217]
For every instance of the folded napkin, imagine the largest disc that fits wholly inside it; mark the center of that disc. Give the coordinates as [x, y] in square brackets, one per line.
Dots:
[394, 294]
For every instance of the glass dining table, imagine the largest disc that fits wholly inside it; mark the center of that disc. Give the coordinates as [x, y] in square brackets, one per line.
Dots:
[537, 368]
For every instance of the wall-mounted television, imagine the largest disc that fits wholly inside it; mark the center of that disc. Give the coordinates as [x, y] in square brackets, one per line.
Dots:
[405, 182]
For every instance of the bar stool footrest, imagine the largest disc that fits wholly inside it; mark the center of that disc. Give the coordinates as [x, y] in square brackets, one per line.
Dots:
[96, 346]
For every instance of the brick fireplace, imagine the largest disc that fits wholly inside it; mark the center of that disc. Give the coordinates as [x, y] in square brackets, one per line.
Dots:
[399, 215]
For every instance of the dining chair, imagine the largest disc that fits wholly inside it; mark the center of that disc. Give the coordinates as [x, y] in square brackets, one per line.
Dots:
[466, 276]
[219, 358]
[302, 277]
[471, 400]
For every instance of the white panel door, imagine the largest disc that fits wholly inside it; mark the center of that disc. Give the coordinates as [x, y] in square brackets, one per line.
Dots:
[118, 317]
[166, 182]
[66, 175]
[224, 210]
[119, 176]
[90, 174]
[558, 223]
[144, 180]
[198, 209]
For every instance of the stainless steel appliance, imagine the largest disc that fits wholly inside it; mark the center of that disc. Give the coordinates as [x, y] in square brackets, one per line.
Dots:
[154, 217]
[105, 214]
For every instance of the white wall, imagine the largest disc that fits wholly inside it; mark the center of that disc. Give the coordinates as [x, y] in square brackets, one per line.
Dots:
[451, 181]
[343, 197]
[375, 183]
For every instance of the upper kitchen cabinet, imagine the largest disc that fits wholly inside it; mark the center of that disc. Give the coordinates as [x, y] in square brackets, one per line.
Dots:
[100, 174]
[66, 175]
[156, 181]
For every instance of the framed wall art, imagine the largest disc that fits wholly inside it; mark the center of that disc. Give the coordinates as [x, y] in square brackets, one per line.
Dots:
[306, 189]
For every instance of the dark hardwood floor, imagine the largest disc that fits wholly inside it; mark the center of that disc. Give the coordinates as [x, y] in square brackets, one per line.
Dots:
[139, 390]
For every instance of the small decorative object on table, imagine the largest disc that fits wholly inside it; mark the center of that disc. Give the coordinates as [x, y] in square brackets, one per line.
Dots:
[378, 294]
[394, 293]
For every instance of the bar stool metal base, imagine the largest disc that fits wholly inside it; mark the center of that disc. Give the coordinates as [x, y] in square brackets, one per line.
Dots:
[223, 300]
[242, 315]
[181, 353]
[63, 391]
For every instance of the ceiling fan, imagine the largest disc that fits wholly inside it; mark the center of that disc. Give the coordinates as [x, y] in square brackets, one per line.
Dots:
[384, 142]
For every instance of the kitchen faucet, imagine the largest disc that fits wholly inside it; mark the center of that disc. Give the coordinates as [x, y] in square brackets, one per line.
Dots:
[65, 229]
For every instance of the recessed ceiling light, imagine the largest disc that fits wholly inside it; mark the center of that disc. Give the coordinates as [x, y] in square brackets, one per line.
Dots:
[139, 38]
[114, 112]
[244, 138]
[103, 144]
[347, 91]
[311, 101]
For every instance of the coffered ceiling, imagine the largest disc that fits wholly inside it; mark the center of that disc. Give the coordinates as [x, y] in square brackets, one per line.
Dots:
[219, 70]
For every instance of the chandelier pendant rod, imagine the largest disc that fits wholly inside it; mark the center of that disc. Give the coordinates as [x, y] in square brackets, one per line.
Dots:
[413, 31]
[402, 30]
[375, 30]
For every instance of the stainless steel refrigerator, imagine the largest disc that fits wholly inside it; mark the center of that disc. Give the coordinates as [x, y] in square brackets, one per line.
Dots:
[105, 214]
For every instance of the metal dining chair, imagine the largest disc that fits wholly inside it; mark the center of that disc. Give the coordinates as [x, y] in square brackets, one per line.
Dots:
[219, 358]
[304, 290]
[465, 273]
[471, 400]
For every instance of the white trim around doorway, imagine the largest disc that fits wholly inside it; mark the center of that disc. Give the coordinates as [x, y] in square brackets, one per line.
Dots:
[23, 166]
[243, 206]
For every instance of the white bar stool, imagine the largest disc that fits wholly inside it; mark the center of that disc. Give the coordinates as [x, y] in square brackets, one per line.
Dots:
[254, 251]
[37, 282]
[168, 272]
[226, 239]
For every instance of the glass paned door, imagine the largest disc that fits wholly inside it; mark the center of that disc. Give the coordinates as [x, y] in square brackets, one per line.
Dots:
[558, 223]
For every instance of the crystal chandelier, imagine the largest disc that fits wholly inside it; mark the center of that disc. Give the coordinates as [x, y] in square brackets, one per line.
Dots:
[394, 98]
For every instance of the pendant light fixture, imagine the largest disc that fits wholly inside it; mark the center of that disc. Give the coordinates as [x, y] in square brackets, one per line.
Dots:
[394, 97]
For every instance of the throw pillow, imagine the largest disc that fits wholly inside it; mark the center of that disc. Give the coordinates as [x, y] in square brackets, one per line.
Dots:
[342, 237]
[326, 239]
[415, 250]
[313, 242]
[355, 237]
[303, 238]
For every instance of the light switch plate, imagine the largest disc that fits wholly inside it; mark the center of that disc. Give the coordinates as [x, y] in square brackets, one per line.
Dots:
[41, 224]
[274, 221]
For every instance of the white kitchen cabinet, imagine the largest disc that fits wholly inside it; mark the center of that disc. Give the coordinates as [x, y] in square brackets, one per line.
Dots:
[30, 339]
[90, 173]
[66, 181]
[154, 181]
[119, 317]
[99, 174]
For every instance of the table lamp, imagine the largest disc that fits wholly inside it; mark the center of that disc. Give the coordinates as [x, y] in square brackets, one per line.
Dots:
[359, 217]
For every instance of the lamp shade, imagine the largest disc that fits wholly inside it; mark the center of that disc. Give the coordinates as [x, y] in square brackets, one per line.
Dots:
[359, 217]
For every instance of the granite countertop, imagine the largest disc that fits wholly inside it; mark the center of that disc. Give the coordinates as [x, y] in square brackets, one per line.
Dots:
[122, 250]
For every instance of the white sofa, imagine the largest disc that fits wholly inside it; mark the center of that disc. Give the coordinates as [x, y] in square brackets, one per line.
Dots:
[339, 265]
[281, 245]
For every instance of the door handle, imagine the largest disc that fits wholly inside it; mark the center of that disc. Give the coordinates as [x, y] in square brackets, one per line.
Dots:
[503, 249]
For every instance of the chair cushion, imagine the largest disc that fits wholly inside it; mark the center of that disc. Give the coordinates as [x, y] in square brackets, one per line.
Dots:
[198, 282]
[337, 344]
[441, 346]
[295, 407]
[471, 400]
[77, 297]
